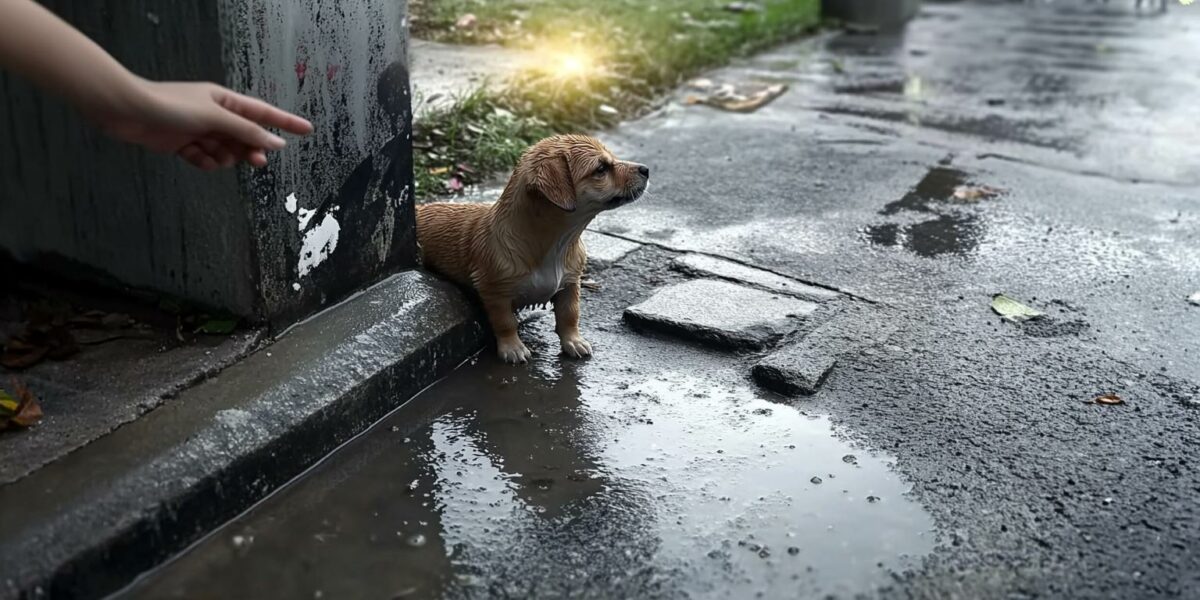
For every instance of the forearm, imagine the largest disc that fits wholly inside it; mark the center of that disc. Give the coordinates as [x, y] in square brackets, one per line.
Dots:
[38, 46]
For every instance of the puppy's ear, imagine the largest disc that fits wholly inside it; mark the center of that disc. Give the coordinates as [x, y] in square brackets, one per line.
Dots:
[552, 179]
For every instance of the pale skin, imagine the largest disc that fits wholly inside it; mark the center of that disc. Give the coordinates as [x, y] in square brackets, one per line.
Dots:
[205, 124]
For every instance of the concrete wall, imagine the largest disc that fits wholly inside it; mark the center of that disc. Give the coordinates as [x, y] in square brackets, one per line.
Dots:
[331, 213]
[336, 209]
[69, 195]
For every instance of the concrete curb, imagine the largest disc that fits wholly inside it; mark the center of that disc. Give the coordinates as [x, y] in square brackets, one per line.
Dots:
[87, 524]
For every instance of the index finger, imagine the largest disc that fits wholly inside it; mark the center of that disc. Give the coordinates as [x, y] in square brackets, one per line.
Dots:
[264, 114]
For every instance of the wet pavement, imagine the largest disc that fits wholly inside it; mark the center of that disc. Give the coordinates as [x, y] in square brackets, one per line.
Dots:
[655, 472]
[981, 466]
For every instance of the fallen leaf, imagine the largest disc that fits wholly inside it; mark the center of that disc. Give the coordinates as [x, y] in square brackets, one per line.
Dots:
[744, 98]
[19, 408]
[218, 326]
[1108, 399]
[439, 170]
[467, 21]
[1012, 310]
[972, 193]
[20, 355]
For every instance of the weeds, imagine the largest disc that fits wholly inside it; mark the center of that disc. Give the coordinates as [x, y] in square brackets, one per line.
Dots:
[637, 51]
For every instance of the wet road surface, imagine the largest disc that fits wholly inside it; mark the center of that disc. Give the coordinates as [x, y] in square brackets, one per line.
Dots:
[656, 472]
[658, 469]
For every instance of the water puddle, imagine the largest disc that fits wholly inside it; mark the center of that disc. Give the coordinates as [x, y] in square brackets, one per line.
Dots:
[615, 478]
[951, 230]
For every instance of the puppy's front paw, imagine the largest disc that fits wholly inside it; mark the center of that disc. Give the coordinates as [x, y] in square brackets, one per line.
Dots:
[575, 346]
[513, 351]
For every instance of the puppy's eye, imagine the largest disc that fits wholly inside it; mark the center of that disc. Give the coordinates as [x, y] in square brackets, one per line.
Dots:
[602, 169]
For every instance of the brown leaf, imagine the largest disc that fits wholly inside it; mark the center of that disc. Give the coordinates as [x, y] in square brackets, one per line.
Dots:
[1108, 399]
[20, 355]
[21, 408]
[747, 98]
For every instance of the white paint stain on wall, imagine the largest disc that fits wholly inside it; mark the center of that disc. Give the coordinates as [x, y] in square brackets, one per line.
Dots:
[319, 243]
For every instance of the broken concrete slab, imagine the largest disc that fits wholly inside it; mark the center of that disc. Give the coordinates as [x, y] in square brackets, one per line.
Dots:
[711, 266]
[603, 250]
[721, 314]
[802, 365]
[798, 368]
[158, 483]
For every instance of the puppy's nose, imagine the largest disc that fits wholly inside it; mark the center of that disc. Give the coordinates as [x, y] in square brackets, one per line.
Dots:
[644, 170]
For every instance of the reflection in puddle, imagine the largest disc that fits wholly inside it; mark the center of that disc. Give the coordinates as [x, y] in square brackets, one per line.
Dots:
[612, 479]
[951, 231]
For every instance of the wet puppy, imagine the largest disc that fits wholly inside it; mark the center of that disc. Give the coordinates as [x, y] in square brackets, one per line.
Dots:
[525, 249]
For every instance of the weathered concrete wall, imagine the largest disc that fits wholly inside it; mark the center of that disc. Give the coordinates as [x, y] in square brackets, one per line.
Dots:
[336, 209]
[328, 215]
[150, 221]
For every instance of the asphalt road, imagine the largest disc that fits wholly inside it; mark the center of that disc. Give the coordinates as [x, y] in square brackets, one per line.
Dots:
[949, 453]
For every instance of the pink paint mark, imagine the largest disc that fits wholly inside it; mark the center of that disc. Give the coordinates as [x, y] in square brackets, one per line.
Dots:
[301, 69]
[332, 72]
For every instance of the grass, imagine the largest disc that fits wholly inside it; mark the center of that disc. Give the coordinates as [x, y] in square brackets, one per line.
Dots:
[628, 53]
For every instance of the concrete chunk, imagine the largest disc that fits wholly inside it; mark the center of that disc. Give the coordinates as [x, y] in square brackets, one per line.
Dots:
[795, 369]
[701, 264]
[719, 313]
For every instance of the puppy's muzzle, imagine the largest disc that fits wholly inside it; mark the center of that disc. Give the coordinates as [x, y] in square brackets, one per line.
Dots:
[634, 188]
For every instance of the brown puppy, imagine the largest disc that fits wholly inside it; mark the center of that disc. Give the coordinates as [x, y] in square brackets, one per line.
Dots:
[525, 249]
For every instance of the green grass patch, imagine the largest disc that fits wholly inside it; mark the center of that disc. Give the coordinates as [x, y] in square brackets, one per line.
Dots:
[633, 50]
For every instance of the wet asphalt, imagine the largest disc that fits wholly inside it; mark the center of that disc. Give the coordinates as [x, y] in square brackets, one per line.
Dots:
[950, 455]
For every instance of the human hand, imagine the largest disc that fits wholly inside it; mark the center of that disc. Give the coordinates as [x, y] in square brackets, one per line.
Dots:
[207, 125]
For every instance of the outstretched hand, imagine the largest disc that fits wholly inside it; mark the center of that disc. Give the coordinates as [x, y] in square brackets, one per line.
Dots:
[207, 125]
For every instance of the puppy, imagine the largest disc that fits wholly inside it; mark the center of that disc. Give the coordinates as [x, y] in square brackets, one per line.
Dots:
[525, 249]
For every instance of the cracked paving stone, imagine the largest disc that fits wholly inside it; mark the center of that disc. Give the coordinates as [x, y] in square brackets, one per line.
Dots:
[711, 266]
[604, 250]
[801, 366]
[798, 368]
[719, 313]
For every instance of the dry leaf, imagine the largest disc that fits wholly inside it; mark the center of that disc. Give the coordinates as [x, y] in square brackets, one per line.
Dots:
[20, 355]
[1108, 399]
[972, 193]
[20, 408]
[747, 98]
[1012, 310]
[439, 170]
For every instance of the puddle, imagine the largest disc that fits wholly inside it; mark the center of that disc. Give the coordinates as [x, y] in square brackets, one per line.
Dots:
[952, 230]
[610, 478]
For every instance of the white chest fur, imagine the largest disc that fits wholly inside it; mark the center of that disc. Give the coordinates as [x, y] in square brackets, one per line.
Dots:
[547, 278]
